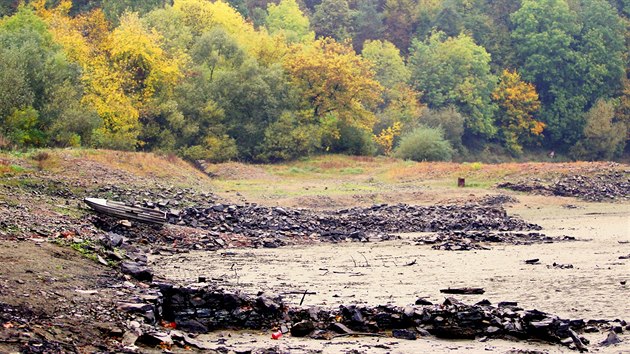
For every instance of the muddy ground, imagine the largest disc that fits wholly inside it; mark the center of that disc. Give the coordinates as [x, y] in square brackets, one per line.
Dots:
[594, 286]
[61, 287]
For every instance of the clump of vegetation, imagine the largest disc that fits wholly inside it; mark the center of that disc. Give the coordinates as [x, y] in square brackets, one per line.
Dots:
[424, 144]
[449, 120]
[603, 137]
[41, 158]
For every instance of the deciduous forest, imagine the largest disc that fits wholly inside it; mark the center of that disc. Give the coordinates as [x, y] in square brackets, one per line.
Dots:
[265, 80]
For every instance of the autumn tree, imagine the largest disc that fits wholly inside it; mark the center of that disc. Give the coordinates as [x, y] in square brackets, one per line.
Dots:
[518, 102]
[336, 84]
[400, 21]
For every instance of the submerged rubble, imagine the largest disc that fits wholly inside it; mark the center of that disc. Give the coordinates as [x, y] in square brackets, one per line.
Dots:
[249, 225]
[612, 185]
[203, 308]
[361, 224]
[478, 240]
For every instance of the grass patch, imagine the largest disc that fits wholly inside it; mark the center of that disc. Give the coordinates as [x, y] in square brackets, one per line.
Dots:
[85, 247]
[351, 171]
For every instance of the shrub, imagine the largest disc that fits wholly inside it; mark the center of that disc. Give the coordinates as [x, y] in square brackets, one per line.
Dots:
[354, 141]
[424, 144]
[214, 149]
[287, 139]
[449, 120]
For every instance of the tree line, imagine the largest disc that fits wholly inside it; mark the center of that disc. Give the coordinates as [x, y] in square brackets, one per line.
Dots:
[263, 80]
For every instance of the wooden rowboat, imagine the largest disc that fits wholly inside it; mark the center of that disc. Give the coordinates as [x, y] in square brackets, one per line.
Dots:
[122, 211]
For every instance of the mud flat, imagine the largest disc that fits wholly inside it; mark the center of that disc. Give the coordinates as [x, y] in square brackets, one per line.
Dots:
[586, 279]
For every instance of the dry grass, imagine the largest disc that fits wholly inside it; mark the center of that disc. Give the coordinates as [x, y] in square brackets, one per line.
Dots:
[357, 178]
[146, 164]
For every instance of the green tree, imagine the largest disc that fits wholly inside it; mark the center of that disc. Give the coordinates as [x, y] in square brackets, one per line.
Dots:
[114, 9]
[287, 19]
[603, 137]
[41, 92]
[367, 23]
[389, 66]
[456, 71]
[572, 58]
[447, 119]
[601, 49]
[332, 18]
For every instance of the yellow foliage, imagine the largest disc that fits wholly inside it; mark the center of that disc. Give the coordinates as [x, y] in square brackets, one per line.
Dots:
[335, 80]
[518, 101]
[386, 137]
[135, 52]
[121, 69]
[203, 15]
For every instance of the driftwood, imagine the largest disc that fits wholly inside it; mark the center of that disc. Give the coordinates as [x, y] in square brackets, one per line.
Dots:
[463, 291]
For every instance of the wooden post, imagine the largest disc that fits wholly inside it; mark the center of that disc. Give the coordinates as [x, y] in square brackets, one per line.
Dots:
[461, 182]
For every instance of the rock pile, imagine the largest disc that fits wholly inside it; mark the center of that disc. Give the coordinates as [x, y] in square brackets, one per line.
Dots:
[612, 185]
[249, 225]
[361, 224]
[473, 240]
[163, 198]
[200, 309]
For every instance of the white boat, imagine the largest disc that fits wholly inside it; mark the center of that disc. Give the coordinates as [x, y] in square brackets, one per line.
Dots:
[122, 211]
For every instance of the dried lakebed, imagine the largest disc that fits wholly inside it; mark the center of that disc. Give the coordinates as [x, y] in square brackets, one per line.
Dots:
[377, 273]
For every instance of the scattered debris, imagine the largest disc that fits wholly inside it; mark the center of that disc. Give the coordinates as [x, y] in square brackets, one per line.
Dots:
[463, 291]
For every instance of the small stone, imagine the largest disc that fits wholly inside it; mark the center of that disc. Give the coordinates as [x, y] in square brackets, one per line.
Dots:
[611, 339]
[125, 223]
[422, 301]
[404, 334]
[129, 338]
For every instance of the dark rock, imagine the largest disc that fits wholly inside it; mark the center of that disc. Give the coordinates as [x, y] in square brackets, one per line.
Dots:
[422, 301]
[591, 329]
[340, 328]
[404, 334]
[155, 339]
[302, 329]
[137, 271]
[423, 332]
[134, 307]
[268, 304]
[191, 326]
